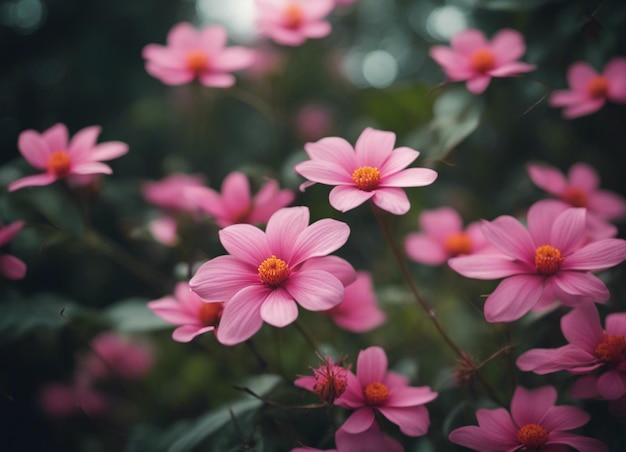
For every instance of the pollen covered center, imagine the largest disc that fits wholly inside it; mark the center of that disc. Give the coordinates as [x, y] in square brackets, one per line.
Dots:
[366, 178]
[197, 61]
[293, 16]
[59, 163]
[611, 349]
[598, 87]
[210, 313]
[532, 436]
[458, 243]
[482, 60]
[548, 260]
[376, 393]
[273, 271]
[576, 197]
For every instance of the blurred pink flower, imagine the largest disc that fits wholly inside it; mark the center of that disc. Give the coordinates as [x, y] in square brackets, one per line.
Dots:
[313, 121]
[359, 311]
[371, 440]
[10, 266]
[267, 274]
[545, 263]
[117, 356]
[196, 54]
[534, 423]
[194, 315]
[328, 381]
[52, 152]
[589, 90]
[235, 204]
[375, 389]
[164, 230]
[443, 237]
[473, 58]
[592, 351]
[292, 22]
[62, 400]
[168, 193]
[373, 169]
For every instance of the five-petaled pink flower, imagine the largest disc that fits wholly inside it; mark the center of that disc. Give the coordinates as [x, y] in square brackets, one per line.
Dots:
[545, 263]
[196, 54]
[589, 90]
[267, 274]
[534, 423]
[373, 169]
[374, 389]
[53, 152]
[443, 237]
[291, 22]
[593, 352]
[473, 58]
[194, 315]
[11, 266]
[235, 204]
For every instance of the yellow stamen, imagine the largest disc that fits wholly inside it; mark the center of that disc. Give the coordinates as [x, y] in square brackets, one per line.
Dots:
[273, 271]
[548, 260]
[458, 243]
[366, 178]
[483, 60]
[376, 393]
[598, 87]
[197, 61]
[532, 436]
[59, 163]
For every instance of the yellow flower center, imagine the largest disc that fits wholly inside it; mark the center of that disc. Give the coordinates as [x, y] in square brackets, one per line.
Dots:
[59, 163]
[293, 16]
[210, 313]
[273, 271]
[458, 243]
[598, 87]
[532, 436]
[366, 178]
[376, 393]
[548, 260]
[576, 197]
[482, 60]
[197, 61]
[611, 349]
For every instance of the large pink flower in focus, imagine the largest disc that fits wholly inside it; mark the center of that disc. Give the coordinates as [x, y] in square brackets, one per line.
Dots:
[534, 423]
[54, 153]
[589, 90]
[373, 169]
[443, 237]
[545, 263]
[291, 22]
[473, 58]
[11, 266]
[235, 204]
[267, 274]
[194, 315]
[374, 389]
[196, 54]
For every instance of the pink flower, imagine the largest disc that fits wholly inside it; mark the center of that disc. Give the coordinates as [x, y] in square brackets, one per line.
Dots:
[329, 380]
[267, 274]
[545, 263]
[196, 54]
[61, 400]
[194, 315]
[291, 22]
[359, 311]
[476, 60]
[374, 389]
[10, 266]
[164, 230]
[371, 440]
[51, 152]
[117, 356]
[235, 204]
[534, 423]
[592, 351]
[590, 90]
[313, 121]
[168, 193]
[443, 237]
[372, 170]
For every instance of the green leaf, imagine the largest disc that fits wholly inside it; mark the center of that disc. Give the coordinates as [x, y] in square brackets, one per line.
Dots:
[60, 212]
[133, 316]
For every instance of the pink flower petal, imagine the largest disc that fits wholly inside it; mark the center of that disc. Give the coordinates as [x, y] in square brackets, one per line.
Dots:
[316, 30]
[579, 74]
[487, 266]
[585, 387]
[91, 168]
[217, 80]
[513, 298]
[478, 84]
[413, 420]
[425, 250]
[616, 323]
[336, 266]
[344, 198]
[325, 172]
[183, 36]
[34, 149]
[315, 290]
[399, 159]
[169, 76]
[564, 418]
[512, 69]
[393, 200]
[279, 309]
[236, 192]
[371, 366]
[186, 333]
[455, 68]
[109, 150]
[359, 421]
[583, 109]
[607, 205]
[541, 218]
[467, 41]
[333, 150]
[352, 398]
[241, 318]
[370, 440]
[213, 38]
[577, 442]
[568, 230]
[611, 385]
[508, 234]
[581, 327]
[10, 231]
[547, 178]
[246, 242]
[410, 396]
[531, 406]
[597, 255]
[12, 267]
[476, 438]
[29, 181]
[507, 45]
[374, 147]
[233, 59]
[615, 71]
[222, 277]
[82, 143]
[583, 176]
[498, 427]
[284, 229]
[567, 98]
[412, 177]
[440, 223]
[582, 284]
[57, 137]
[170, 310]
[319, 239]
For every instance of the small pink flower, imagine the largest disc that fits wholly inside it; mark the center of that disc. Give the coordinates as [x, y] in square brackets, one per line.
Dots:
[374, 389]
[118, 357]
[164, 230]
[235, 204]
[476, 60]
[267, 274]
[313, 121]
[196, 54]
[596, 353]
[589, 90]
[534, 423]
[168, 193]
[373, 169]
[61, 400]
[10, 266]
[329, 380]
[372, 439]
[359, 311]
[443, 237]
[291, 22]
[545, 263]
[194, 315]
[52, 152]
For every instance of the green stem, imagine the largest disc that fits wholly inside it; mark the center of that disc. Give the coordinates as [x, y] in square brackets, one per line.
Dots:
[307, 337]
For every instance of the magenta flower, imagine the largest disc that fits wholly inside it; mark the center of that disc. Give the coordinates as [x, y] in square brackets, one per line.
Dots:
[359, 311]
[589, 90]
[375, 389]
[476, 60]
[291, 22]
[267, 274]
[194, 315]
[168, 193]
[372, 170]
[117, 356]
[596, 353]
[10, 266]
[443, 237]
[235, 204]
[328, 381]
[53, 153]
[371, 440]
[545, 263]
[534, 423]
[196, 54]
